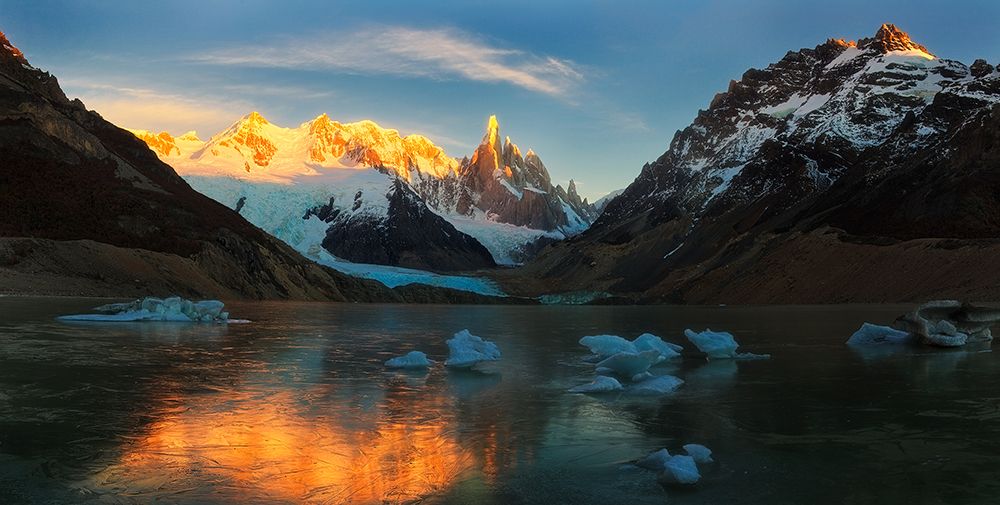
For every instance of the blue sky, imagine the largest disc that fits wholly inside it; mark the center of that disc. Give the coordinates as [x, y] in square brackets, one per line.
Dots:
[595, 88]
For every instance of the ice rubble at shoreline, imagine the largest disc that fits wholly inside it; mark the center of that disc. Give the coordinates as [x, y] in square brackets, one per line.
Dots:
[172, 309]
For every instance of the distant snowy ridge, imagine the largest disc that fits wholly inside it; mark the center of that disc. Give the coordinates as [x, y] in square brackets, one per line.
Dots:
[502, 199]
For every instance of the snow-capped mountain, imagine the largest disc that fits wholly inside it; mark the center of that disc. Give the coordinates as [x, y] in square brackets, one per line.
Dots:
[803, 144]
[88, 209]
[367, 194]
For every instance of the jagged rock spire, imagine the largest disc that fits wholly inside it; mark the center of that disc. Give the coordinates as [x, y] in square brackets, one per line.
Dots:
[890, 38]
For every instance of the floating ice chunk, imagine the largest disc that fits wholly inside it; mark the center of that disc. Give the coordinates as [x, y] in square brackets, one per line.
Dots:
[600, 384]
[628, 364]
[873, 334]
[650, 342]
[641, 376]
[701, 454]
[466, 349]
[719, 345]
[714, 344]
[680, 470]
[412, 359]
[607, 345]
[656, 460]
[156, 309]
[658, 385]
[750, 355]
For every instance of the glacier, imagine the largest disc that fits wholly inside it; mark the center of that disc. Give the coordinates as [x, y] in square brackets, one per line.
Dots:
[277, 210]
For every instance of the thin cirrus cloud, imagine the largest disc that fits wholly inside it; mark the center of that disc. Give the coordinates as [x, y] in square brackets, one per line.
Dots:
[435, 54]
[145, 108]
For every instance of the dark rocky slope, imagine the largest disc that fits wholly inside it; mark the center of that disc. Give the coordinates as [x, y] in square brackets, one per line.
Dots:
[409, 235]
[860, 172]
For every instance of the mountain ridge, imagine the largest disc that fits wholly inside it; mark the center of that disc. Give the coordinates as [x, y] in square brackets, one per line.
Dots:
[807, 151]
[91, 210]
[502, 199]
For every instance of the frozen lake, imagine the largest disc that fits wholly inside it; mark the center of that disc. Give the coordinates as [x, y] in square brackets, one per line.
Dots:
[297, 407]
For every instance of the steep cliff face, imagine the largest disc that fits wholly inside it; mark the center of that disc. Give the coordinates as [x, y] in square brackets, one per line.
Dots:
[89, 205]
[515, 189]
[845, 147]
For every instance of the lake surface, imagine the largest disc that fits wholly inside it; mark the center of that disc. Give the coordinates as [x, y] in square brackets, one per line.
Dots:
[296, 407]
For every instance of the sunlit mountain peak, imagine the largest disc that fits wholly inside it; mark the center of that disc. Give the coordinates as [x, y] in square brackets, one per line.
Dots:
[889, 38]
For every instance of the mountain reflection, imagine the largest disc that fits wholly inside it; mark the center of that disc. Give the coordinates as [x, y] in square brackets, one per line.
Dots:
[277, 447]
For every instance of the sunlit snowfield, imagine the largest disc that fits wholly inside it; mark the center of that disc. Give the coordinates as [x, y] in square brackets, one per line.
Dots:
[297, 407]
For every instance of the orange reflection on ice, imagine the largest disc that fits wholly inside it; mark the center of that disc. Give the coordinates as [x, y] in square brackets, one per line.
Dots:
[271, 448]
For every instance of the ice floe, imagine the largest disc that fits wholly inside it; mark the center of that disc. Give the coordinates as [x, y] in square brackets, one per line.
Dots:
[466, 350]
[949, 323]
[655, 461]
[600, 384]
[629, 364]
[676, 469]
[604, 346]
[939, 323]
[680, 470]
[607, 345]
[873, 334]
[173, 309]
[412, 359]
[719, 345]
[701, 454]
[658, 385]
[648, 341]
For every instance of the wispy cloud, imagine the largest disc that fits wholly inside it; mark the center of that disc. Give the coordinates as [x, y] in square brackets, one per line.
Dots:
[139, 107]
[435, 54]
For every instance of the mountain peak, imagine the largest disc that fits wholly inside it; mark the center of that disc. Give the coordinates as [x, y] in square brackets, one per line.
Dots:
[890, 38]
[8, 47]
[190, 135]
[492, 136]
[255, 117]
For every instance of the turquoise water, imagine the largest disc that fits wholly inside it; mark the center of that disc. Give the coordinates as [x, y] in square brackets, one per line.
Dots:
[296, 407]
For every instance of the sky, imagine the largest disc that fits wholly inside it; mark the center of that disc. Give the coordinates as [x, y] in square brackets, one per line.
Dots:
[596, 88]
